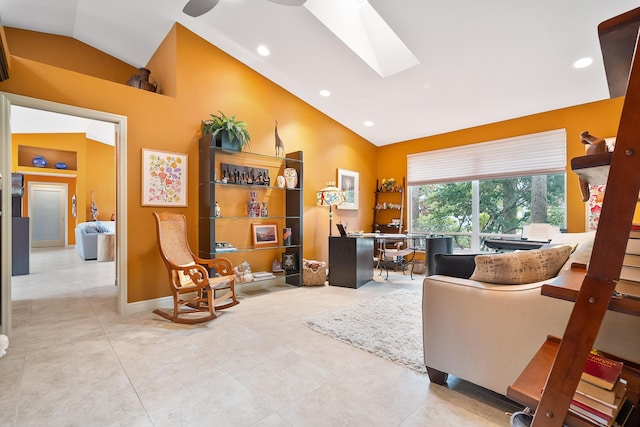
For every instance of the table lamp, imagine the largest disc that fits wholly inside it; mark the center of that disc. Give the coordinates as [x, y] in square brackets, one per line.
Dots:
[330, 196]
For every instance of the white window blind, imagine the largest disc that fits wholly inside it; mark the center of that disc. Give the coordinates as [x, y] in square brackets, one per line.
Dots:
[534, 154]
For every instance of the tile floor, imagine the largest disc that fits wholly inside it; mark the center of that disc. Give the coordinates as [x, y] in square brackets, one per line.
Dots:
[74, 362]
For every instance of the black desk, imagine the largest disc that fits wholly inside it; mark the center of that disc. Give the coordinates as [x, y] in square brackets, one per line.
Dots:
[513, 244]
[350, 261]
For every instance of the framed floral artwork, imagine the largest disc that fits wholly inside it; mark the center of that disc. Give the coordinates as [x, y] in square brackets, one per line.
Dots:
[164, 178]
[348, 182]
[594, 206]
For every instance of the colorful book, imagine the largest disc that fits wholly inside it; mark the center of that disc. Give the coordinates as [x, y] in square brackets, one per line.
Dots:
[590, 413]
[607, 396]
[601, 371]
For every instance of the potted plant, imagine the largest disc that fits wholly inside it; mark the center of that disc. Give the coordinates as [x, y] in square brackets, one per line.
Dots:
[228, 133]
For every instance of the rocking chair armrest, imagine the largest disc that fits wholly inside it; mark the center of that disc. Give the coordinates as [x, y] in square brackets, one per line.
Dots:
[223, 266]
[198, 274]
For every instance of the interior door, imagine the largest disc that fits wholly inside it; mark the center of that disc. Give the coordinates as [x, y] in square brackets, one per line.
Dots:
[48, 213]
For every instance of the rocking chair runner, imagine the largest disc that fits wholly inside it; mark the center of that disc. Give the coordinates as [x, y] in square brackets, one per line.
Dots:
[190, 283]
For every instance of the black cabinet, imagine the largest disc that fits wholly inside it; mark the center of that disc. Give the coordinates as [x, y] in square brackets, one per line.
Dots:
[20, 246]
[350, 261]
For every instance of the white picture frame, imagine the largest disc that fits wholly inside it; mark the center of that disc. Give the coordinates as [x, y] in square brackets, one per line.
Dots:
[349, 183]
[164, 178]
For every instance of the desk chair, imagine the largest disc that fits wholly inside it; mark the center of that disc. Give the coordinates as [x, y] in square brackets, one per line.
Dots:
[395, 258]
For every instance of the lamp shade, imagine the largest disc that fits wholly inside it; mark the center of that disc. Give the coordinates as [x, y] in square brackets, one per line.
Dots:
[330, 196]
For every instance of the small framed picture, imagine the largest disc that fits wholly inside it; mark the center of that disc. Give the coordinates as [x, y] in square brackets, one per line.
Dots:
[264, 235]
[348, 182]
[290, 261]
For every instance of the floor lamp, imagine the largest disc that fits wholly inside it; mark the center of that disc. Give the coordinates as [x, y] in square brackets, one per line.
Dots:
[330, 196]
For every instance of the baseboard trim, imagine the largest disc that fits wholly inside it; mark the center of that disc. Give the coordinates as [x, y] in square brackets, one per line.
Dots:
[148, 305]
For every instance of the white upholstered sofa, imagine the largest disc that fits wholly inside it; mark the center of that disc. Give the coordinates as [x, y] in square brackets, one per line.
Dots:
[87, 237]
[486, 333]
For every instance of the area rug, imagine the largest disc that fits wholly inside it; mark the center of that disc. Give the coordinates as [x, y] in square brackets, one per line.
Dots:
[388, 326]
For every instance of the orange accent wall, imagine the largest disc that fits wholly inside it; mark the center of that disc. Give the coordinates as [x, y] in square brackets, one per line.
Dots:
[206, 80]
[599, 118]
[101, 180]
[65, 52]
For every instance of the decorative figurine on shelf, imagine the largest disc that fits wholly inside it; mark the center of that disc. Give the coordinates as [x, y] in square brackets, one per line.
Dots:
[388, 184]
[94, 208]
[291, 177]
[281, 181]
[253, 207]
[143, 80]
[217, 210]
[286, 236]
[279, 144]
[264, 212]
[243, 272]
[593, 145]
[276, 266]
[39, 161]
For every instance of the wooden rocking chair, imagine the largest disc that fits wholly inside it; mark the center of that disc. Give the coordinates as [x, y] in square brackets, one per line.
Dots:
[192, 289]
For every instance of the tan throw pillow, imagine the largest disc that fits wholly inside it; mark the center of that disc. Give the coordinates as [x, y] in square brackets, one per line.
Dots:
[516, 268]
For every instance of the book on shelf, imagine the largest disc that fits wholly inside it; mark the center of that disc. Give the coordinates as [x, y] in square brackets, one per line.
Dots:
[601, 371]
[599, 405]
[591, 414]
[226, 249]
[631, 260]
[599, 393]
[262, 275]
[630, 273]
[633, 246]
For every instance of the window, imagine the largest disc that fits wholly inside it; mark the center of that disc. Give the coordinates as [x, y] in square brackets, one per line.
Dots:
[490, 189]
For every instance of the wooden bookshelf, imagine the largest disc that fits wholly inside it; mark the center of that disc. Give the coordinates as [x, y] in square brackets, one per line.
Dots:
[527, 389]
[567, 286]
[594, 168]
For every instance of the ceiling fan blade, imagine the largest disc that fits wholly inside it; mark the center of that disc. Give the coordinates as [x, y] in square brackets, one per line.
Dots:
[289, 2]
[196, 8]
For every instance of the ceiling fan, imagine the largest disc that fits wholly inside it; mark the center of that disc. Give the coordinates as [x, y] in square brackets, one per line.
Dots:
[196, 8]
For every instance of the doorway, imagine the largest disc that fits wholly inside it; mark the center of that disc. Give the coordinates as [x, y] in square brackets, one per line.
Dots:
[48, 213]
[7, 100]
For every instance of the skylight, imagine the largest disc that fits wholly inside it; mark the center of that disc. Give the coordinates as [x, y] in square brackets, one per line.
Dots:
[360, 27]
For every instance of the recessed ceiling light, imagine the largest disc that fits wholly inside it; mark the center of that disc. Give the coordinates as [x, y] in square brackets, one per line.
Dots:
[263, 50]
[325, 92]
[583, 62]
[368, 123]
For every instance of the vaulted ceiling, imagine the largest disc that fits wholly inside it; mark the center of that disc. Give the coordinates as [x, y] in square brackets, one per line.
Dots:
[478, 62]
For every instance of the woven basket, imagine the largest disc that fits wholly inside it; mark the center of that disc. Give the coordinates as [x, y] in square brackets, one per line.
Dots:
[314, 277]
[419, 267]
